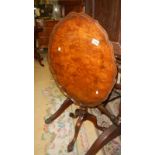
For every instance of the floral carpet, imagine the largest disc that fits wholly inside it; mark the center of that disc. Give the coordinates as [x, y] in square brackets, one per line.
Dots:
[60, 132]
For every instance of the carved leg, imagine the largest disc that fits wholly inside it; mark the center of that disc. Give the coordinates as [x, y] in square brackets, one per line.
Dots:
[40, 61]
[38, 57]
[107, 113]
[119, 113]
[77, 129]
[109, 134]
[63, 107]
[93, 119]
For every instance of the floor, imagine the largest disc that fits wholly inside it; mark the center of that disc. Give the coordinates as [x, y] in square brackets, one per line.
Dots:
[41, 75]
[41, 81]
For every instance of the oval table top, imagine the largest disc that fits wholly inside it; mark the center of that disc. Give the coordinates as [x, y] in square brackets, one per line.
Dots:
[81, 59]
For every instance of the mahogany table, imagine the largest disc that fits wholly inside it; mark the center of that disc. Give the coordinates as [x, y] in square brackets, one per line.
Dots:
[81, 59]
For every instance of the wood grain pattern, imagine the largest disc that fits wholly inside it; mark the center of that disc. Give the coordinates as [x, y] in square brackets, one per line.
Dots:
[81, 59]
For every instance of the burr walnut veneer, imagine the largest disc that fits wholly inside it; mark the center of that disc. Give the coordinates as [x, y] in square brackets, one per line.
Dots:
[81, 59]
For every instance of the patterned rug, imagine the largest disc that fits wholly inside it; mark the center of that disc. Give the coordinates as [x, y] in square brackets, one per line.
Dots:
[60, 132]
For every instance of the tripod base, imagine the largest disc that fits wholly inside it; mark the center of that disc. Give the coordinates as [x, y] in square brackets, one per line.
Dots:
[81, 114]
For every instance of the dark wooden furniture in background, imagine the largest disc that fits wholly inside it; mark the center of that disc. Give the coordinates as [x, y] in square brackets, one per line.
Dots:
[72, 5]
[47, 25]
[37, 55]
[108, 14]
[43, 36]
